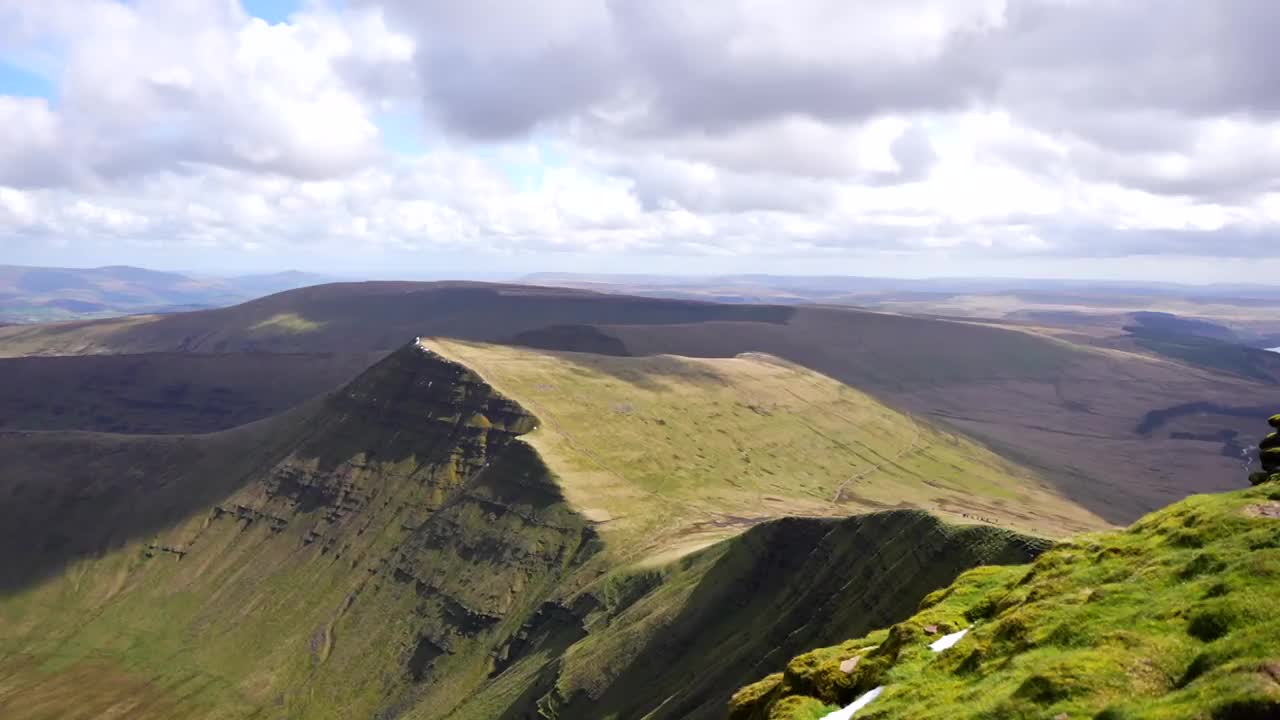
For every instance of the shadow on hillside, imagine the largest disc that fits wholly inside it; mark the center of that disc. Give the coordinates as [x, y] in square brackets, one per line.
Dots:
[164, 393]
[66, 496]
[783, 588]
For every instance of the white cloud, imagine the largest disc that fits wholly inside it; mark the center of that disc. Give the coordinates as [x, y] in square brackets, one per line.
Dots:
[153, 85]
[978, 129]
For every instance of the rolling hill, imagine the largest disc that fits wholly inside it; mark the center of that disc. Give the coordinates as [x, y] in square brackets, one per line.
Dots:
[561, 504]
[397, 549]
[44, 294]
[1168, 428]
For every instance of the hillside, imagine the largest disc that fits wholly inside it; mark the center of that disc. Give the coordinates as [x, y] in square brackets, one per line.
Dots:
[1175, 428]
[165, 393]
[396, 549]
[1172, 618]
[668, 452]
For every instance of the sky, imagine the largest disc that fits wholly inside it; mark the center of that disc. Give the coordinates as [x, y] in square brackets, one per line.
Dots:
[1118, 139]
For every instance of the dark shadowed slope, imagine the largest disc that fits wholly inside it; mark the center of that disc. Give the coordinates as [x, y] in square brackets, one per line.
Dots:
[164, 393]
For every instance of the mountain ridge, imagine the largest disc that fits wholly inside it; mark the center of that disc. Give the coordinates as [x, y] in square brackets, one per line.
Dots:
[395, 550]
[45, 294]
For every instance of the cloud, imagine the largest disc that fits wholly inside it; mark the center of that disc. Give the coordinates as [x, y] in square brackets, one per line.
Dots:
[633, 128]
[32, 153]
[155, 85]
[495, 69]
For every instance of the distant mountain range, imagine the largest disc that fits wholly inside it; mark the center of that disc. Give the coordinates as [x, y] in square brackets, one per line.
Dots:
[45, 294]
[849, 288]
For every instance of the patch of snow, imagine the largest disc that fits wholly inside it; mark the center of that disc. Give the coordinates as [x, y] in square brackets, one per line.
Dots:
[1274, 349]
[863, 700]
[946, 641]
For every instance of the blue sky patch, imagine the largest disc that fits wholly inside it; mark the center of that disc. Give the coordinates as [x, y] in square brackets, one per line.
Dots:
[15, 80]
[401, 133]
[273, 11]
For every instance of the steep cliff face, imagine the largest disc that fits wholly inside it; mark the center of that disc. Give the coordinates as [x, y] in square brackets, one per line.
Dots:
[672, 643]
[381, 551]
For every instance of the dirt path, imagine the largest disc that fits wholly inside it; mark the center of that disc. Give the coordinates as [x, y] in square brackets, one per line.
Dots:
[915, 442]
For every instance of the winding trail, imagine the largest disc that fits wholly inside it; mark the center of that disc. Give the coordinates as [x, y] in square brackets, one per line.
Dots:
[915, 442]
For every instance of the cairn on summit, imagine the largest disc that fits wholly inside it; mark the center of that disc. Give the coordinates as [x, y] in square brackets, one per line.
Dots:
[1269, 454]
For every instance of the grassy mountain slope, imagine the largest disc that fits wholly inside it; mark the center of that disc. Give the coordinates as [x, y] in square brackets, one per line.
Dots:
[667, 642]
[395, 550]
[405, 496]
[1028, 397]
[1172, 618]
[1032, 398]
[668, 452]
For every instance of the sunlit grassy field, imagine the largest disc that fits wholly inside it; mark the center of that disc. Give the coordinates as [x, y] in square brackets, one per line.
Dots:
[670, 453]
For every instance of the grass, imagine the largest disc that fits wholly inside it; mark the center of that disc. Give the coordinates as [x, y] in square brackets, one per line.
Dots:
[1171, 619]
[393, 549]
[286, 323]
[296, 588]
[670, 453]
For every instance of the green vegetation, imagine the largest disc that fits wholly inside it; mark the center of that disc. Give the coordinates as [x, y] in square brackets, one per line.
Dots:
[675, 641]
[1172, 618]
[286, 324]
[525, 533]
[672, 453]
[396, 550]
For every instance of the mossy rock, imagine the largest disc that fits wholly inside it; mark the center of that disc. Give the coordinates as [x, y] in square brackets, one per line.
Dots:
[1270, 459]
[1274, 421]
[752, 701]
[798, 707]
[818, 674]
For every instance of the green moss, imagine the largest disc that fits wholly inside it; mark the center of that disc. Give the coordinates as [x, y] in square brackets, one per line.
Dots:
[746, 701]
[1169, 619]
[800, 708]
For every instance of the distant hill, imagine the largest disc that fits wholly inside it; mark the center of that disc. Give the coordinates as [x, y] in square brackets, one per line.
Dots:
[44, 294]
[1248, 314]
[1029, 397]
